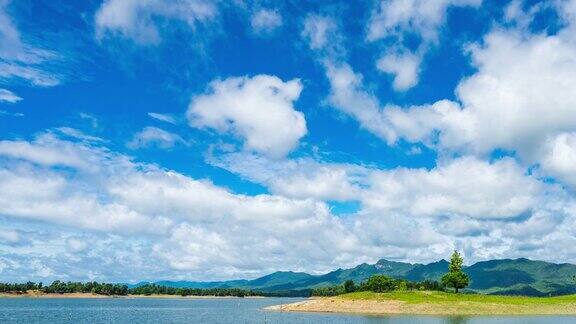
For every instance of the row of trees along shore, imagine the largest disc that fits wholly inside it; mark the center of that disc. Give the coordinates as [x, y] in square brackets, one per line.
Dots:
[455, 278]
[60, 287]
[108, 289]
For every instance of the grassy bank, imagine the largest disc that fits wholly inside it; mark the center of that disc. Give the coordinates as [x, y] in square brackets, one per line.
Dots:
[435, 303]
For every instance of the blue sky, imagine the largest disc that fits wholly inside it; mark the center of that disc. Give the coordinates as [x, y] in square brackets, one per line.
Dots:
[202, 140]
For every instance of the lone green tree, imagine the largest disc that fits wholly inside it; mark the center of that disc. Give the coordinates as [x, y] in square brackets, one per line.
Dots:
[455, 278]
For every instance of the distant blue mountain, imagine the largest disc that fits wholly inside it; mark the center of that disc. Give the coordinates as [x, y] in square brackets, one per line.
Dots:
[508, 277]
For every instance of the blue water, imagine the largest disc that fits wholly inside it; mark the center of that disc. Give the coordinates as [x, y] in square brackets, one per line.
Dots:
[237, 310]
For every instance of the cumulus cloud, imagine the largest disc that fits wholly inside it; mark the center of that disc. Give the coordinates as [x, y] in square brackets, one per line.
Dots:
[124, 198]
[520, 98]
[142, 212]
[154, 136]
[140, 20]
[259, 110]
[559, 158]
[265, 21]
[466, 187]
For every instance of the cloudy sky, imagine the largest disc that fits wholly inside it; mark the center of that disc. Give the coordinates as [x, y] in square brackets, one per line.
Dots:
[207, 140]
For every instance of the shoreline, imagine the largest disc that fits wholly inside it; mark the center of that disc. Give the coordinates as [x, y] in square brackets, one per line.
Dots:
[97, 296]
[387, 304]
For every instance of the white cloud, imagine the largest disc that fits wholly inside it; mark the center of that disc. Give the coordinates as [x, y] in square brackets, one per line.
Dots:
[9, 236]
[404, 67]
[393, 18]
[140, 20]
[129, 212]
[163, 117]
[299, 178]
[13, 114]
[318, 31]
[519, 100]
[48, 150]
[520, 97]
[397, 18]
[8, 96]
[20, 60]
[260, 110]
[265, 21]
[153, 136]
[77, 134]
[348, 95]
[559, 158]
[466, 187]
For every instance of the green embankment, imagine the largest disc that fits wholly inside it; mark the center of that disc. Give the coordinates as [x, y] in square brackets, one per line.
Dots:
[426, 302]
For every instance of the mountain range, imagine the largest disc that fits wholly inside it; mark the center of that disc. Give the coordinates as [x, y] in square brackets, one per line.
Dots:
[502, 277]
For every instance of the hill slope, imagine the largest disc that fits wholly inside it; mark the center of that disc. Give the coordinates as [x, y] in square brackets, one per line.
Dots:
[503, 277]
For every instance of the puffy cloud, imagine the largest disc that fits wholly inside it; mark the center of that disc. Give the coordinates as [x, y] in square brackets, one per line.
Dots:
[260, 110]
[139, 20]
[155, 136]
[394, 18]
[398, 18]
[8, 96]
[559, 158]
[142, 201]
[405, 68]
[265, 21]
[466, 187]
[133, 212]
[520, 98]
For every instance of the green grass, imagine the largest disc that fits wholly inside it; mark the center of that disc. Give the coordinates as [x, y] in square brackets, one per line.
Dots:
[443, 297]
[434, 302]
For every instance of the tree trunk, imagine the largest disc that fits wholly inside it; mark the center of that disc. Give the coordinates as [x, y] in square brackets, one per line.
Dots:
[456, 290]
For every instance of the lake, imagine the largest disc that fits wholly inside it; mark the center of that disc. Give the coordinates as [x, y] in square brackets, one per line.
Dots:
[234, 310]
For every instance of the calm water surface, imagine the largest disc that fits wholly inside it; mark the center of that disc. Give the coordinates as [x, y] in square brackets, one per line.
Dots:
[140, 311]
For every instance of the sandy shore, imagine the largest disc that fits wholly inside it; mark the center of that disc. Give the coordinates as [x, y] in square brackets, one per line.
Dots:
[338, 305]
[384, 307]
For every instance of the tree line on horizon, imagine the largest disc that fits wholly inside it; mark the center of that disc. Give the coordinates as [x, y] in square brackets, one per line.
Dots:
[108, 289]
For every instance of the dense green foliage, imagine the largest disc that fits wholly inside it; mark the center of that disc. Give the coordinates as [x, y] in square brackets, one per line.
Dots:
[60, 287]
[163, 290]
[377, 284]
[456, 278]
[18, 287]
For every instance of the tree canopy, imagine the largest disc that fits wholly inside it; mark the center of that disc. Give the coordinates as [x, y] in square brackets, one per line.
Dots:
[456, 278]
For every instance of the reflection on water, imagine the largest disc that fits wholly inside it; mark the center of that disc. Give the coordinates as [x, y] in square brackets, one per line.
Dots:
[141, 311]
